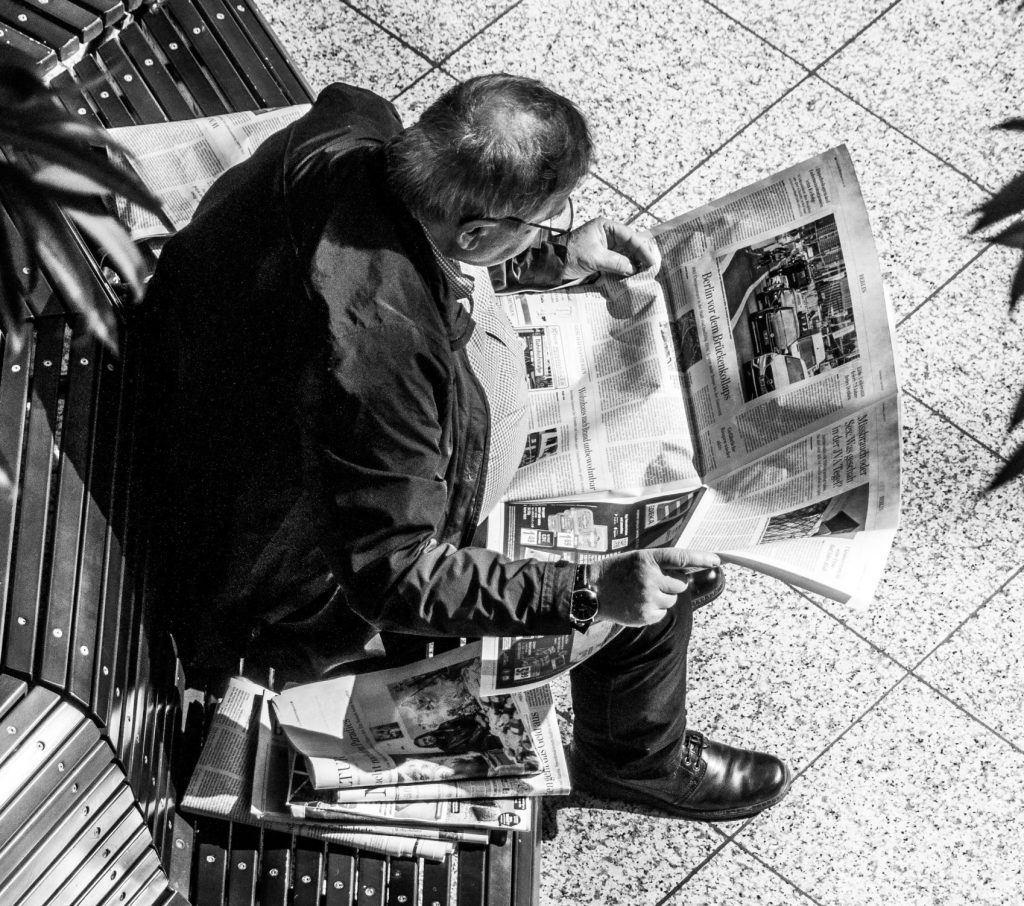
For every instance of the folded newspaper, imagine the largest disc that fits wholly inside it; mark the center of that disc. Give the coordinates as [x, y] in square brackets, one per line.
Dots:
[232, 781]
[743, 400]
[421, 733]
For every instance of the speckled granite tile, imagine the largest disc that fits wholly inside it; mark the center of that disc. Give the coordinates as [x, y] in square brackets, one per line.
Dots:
[420, 95]
[944, 73]
[807, 38]
[593, 854]
[982, 666]
[955, 547]
[662, 84]
[331, 42]
[917, 804]
[770, 671]
[435, 28]
[735, 878]
[962, 352]
[919, 208]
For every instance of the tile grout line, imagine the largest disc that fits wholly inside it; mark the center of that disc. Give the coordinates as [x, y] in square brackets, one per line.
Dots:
[941, 415]
[392, 34]
[478, 32]
[705, 861]
[757, 858]
[943, 286]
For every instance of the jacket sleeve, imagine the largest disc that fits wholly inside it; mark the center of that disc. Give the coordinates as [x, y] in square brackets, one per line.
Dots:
[383, 455]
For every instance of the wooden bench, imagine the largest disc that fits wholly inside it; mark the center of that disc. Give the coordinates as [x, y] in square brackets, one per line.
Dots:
[96, 738]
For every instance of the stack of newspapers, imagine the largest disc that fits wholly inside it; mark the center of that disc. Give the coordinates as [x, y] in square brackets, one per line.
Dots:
[408, 761]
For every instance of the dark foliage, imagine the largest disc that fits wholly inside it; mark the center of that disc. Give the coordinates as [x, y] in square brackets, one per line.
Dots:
[53, 166]
[1008, 203]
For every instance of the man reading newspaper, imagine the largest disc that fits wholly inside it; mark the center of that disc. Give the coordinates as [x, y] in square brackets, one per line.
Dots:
[340, 401]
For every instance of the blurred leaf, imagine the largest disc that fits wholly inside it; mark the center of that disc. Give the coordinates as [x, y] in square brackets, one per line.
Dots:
[76, 155]
[73, 182]
[46, 232]
[113, 239]
[1017, 286]
[1013, 468]
[1015, 124]
[1018, 411]
[1012, 237]
[1009, 200]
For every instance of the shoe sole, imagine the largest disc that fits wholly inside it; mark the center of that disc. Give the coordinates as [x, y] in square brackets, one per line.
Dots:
[611, 790]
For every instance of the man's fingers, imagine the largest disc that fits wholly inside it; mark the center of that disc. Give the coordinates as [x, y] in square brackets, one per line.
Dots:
[641, 249]
[609, 262]
[669, 558]
[673, 584]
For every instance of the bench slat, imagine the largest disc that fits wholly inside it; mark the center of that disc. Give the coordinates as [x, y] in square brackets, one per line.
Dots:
[179, 54]
[308, 873]
[274, 869]
[44, 58]
[98, 503]
[22, 631]
[499, 872]
[245, 59]
[242, 874]
[129, 80]
[102, 94]
[210, 53]
[30, 22]
[156, 75]
[86, 24]
[341, 877]
[472, 876]
[36, 852]
[402, 877]
[14, 384]
[71, 491]
[12, 691]
[371, 880]
[274, 57]
[436, 882]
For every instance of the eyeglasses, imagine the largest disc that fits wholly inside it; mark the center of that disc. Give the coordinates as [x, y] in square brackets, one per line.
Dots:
[551, 225]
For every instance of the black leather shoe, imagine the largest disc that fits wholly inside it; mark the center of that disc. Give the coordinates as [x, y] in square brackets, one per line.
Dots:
[713, 782]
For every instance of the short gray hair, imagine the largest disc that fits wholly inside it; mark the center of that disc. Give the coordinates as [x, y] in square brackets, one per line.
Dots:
[493, 146]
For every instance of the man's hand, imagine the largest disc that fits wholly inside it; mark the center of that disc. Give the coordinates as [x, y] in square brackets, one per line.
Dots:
[603, 246]
[638, 588]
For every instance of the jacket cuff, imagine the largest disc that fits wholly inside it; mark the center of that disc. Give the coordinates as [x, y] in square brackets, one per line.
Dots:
[556, 594]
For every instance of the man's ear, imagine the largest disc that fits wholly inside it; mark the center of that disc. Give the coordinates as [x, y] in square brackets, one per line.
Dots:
[472, 233]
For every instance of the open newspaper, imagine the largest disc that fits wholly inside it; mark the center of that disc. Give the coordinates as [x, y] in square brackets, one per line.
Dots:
[744, 400]
[223, 785]
[419, 733]
[179, 161]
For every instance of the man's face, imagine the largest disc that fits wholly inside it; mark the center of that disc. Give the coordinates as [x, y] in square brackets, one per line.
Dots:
[490, 242]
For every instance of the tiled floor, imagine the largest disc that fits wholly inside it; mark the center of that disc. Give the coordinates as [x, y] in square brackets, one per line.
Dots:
[904, 721]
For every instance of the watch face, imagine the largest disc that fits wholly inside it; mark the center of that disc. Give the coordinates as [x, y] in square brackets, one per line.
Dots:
[584, 605]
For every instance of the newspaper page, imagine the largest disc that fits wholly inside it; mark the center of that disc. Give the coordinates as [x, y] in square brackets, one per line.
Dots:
[552, 780]
[278, 779]
[179, 161]
[414, 724]
[786, 344]
[222, 784]
[604, 392]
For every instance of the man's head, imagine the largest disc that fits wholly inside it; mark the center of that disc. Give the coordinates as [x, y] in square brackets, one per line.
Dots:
[491, 148]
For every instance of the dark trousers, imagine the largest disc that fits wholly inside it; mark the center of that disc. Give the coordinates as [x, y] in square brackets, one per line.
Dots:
[629, 699]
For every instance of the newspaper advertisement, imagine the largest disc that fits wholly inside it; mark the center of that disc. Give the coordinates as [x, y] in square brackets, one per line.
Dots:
[179, 161]
[281, 785]
[415, 724]
[551, 780]
[224, 782]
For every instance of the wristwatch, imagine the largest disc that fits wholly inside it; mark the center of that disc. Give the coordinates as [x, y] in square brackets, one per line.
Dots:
[583, 605]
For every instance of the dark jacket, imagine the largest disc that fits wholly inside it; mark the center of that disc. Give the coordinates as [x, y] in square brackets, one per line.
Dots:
[320, 438]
